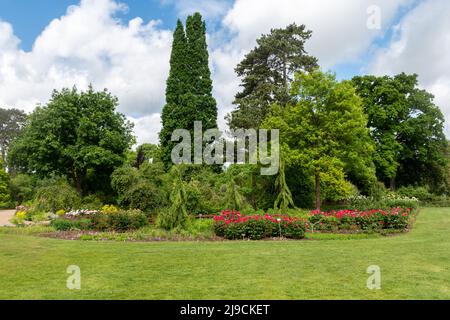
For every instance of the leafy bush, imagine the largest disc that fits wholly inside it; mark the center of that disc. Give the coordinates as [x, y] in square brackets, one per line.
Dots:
[19, 218]
[127, 220]
[100, 222]
[420, 193]
[109, 209]
[58, 195]
[176, 215]
[22, 188]
[62, 224]
[5, 199]
[92, 202]
[119, 221]
[139, 188]
[387, 201]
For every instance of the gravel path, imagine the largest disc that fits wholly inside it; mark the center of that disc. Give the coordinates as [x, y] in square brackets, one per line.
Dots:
[5, 215]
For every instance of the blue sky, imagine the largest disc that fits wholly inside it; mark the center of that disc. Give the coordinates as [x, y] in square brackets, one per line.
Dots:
[99, 42]
[30, 17]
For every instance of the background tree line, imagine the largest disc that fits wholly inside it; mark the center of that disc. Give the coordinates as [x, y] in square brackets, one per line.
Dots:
[338, 138]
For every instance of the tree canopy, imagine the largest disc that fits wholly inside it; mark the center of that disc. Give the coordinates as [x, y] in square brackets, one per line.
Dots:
[407, 128]
[267, 72]
[189, 86]
[325, 130]
[77, 134]
[11, 124]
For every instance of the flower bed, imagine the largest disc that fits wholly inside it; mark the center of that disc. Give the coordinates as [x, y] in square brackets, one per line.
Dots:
[395, 218]
[233, 225]
[119, 221]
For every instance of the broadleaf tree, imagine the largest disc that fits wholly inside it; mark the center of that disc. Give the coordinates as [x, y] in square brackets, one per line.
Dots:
[407, 128]
[325, 128]
[11, 123]
[78, 135]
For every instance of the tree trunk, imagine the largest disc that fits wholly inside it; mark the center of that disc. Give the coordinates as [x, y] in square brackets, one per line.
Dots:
[78, 183]
[392, 183]
[318, 202]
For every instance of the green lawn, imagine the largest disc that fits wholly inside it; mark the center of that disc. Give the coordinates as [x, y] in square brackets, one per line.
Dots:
[414, 266]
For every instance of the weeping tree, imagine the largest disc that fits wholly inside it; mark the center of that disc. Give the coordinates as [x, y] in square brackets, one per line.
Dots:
[284, 199]
[176, 215]
[233, 197]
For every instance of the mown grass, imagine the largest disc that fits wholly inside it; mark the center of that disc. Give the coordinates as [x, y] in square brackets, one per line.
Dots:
[415, 265]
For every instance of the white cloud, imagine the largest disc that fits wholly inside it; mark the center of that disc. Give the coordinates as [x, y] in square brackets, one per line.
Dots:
[339, 28]
[147, 128]
[421, 45]
[89, 45]
[340, 34]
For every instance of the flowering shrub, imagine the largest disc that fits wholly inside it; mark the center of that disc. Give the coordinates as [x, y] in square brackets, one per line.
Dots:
[60, 213]
[389, 200]
[99, 221]
[233, 225]
[80, 213]
[395, 218]
[109, 209]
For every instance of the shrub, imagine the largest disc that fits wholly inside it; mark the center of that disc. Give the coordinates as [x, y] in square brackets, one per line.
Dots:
[233, 225]
[395, 218]
[60, 213]
[56, 196]
[100, 222]
[420, 193]
[92, 202]
[127, 220]
[175, 216]
[19, 218]
[387, 201]
[62, 224]
[22, 188]
[82, 224]
[108, 209]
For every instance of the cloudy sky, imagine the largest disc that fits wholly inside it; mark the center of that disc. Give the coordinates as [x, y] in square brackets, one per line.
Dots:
[124, 45]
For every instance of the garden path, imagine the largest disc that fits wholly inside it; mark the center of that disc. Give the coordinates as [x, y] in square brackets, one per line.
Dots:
[5, 215]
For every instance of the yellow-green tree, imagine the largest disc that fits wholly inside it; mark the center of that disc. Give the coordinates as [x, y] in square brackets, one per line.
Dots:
[325, 130]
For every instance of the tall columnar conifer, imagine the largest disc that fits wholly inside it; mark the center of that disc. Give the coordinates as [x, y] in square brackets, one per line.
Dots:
[189, 86]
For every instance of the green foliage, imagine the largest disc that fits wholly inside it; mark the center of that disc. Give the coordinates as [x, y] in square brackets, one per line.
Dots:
[333, 183]
[189, 86]
[175, 216]
[62, 224]
[56, 194]
[267, 72]
[407, 128]
[22, 188]
[233, 196]
[127, 220]
[92, 202]
[387, 201]
[79, 135]
[325, 130]
[284, 199]
[421, 193]
[11, 124]
[139, 188]
[119, 221]
[257, 229]
[4, 187]
[147, 153]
